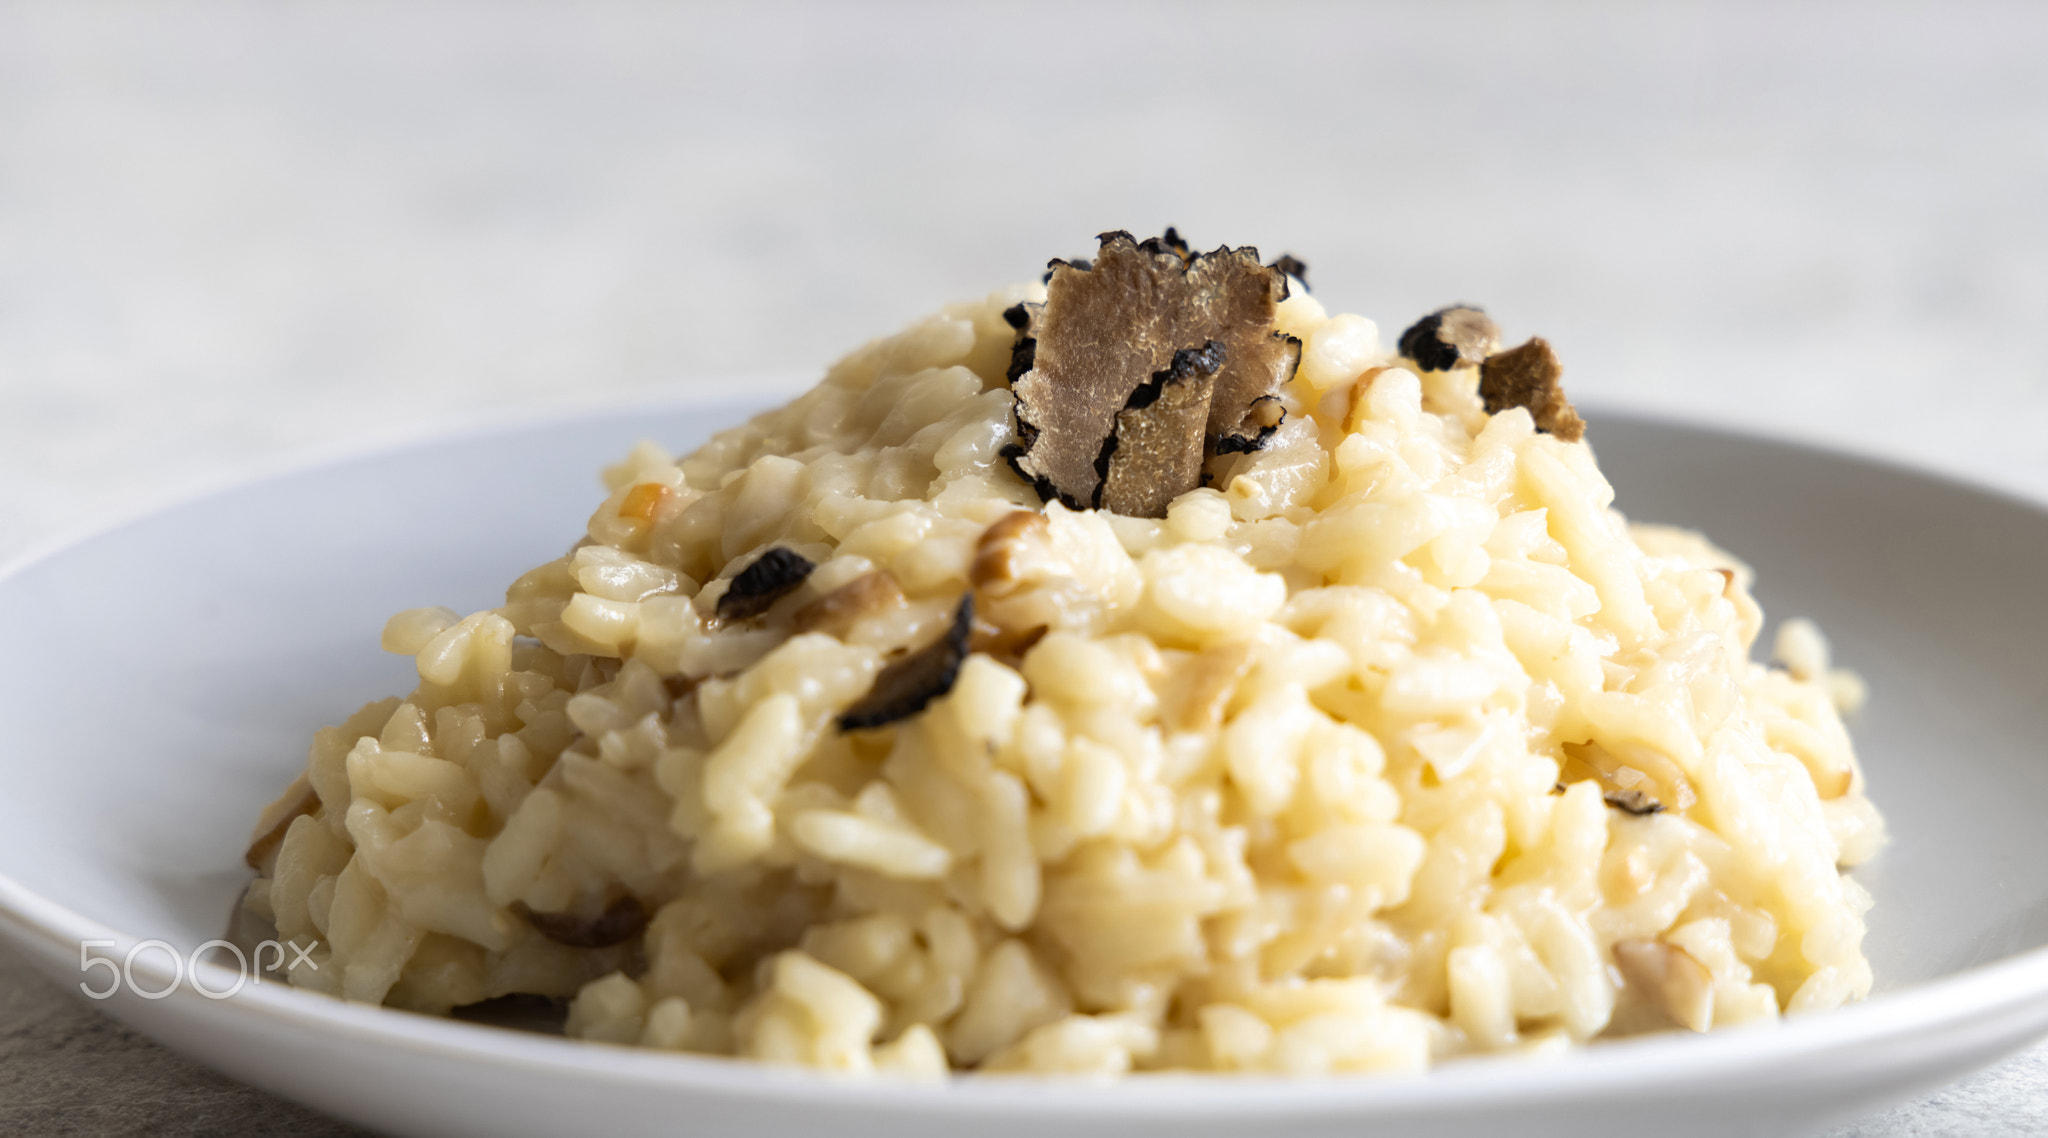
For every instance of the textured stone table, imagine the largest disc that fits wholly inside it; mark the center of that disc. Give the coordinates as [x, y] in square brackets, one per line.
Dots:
[234, 232]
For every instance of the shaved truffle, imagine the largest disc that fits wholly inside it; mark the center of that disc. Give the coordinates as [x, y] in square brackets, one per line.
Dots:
[1155, 453]
[621, 921]
[773, 576]
[1080, 263]
[1022, 316]
[1294, 267]
[905, 687]
[1528, 377]
[1110, 328]
[1632, 802]
[1266, 414]
[1458, 336]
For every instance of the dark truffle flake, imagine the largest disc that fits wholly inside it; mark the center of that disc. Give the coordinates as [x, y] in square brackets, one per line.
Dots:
[1109, 328]
[1294, 267]
[1169, 242]
[1458, 336]
[1266, 414]
[772, 576]
[1079, 263]
[1022, 316]
[621, 921]
[1633, 802]
[1156, 450]
[907, 686]
[1528, 377]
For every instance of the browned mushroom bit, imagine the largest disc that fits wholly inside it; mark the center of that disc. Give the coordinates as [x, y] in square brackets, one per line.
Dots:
[621, 921]
[905, 687]
[837, 611]
[772, 576]
[1458, 336]
[1669, 979]
[1528, 377]
[1200, 690]
[1293, 266]
[1109, 328]
[1004, 550]
[1007, 645]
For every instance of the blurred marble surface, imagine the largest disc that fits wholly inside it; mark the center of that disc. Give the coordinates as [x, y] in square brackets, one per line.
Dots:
[232, 233]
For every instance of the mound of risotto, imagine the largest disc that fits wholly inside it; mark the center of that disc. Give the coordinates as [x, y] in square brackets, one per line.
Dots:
[1141, 670]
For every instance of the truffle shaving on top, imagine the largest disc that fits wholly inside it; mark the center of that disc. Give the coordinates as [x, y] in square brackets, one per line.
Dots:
[1110, 326]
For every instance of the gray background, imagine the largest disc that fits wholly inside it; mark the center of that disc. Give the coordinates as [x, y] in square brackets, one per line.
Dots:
[232, 233]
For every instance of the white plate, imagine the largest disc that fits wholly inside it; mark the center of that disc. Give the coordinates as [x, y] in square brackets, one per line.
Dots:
[161, 678]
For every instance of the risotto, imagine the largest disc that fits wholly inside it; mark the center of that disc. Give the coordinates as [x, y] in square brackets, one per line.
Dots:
[1355, 732]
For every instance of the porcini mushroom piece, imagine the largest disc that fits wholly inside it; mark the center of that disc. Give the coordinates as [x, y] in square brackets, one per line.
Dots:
[1458, 336]
[837, 611]
[621, 921]
[1203, 687]
[1671, 980]
[298, 798]
[1528, 377]
[1006, 550]
[771, 577]
[1108, 327]
[905, 687]
[1004, 643]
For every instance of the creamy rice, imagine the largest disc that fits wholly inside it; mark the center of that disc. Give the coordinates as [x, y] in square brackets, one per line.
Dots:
[1314, 774]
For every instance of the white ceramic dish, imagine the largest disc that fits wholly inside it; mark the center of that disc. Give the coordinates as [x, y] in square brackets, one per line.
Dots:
[161, 678]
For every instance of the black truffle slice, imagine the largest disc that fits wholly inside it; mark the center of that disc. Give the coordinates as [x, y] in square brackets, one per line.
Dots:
[1294, 267]
[1024, 318]
[773, 576]
[1266, 414]
[1458, 336]
[905, 687]
[1081, 264]
[1155, 454]
[1528, 377]
[1107, 329]
[621, 921]
[1169, 242]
